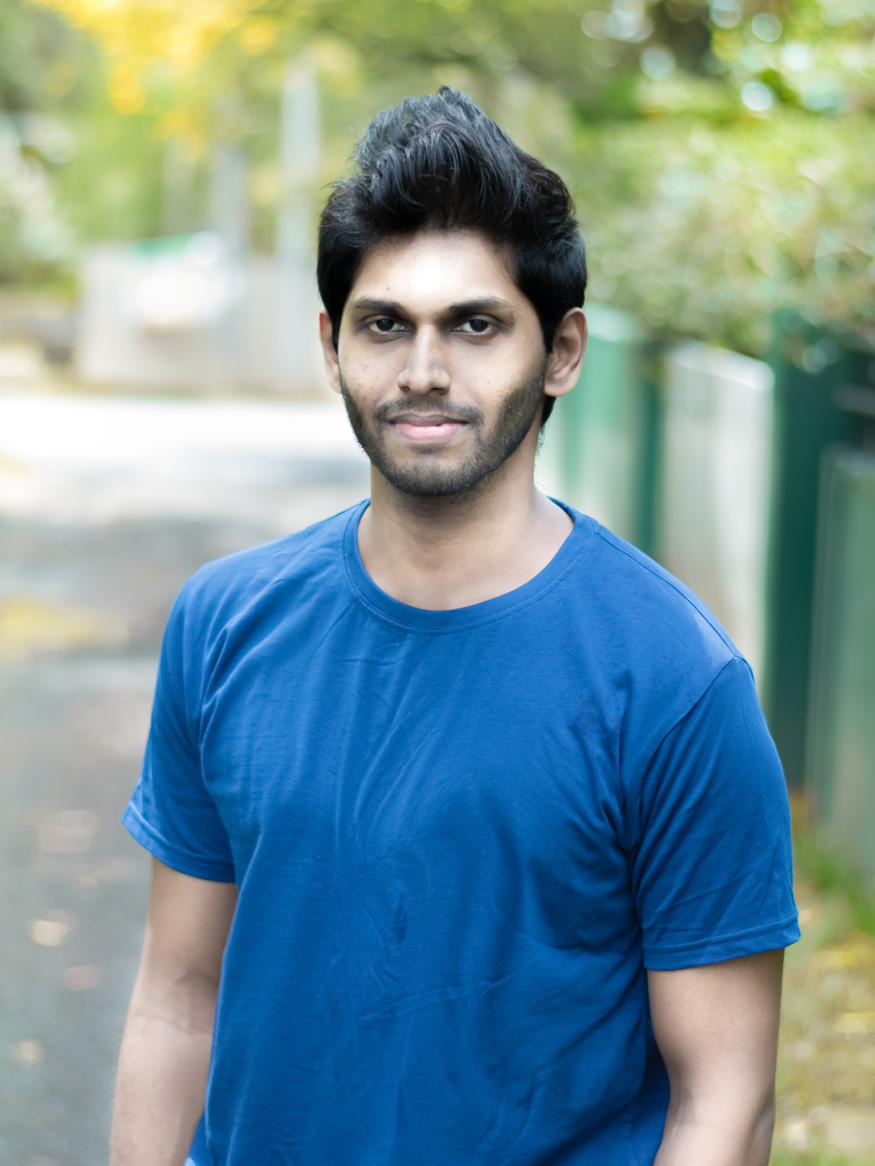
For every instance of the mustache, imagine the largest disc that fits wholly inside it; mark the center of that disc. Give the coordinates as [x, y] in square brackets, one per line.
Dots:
[392, 412]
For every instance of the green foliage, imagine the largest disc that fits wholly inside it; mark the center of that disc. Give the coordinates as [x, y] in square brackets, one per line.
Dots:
[821, 865]
[705, 229]
[33, 46]
[814, 1158]
[71, 168]
[716, 148]
[36, 73]
[112, 190]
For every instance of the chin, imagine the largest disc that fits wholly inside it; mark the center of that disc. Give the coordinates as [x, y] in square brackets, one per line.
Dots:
[435, 481]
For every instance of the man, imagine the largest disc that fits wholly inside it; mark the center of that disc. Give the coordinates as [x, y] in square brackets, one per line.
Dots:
[465, 820]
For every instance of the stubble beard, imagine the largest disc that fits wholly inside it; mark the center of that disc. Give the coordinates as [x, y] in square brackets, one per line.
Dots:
[436, 472]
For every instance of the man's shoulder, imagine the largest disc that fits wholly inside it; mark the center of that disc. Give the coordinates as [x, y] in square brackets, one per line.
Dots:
[647, 599]
[660, 646]
[225, 586]
[653, 638]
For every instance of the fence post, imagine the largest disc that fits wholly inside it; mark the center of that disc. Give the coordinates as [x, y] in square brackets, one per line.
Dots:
[712, 528]
[809, 363]
[607, 428]
[840, 753]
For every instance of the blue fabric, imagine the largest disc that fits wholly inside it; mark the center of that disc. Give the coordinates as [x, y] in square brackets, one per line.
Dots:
[460, 839]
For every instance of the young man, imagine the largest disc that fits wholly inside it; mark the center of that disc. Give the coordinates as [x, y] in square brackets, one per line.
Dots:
[463, 810]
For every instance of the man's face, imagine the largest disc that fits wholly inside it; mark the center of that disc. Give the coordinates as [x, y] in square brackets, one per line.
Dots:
[441, 362]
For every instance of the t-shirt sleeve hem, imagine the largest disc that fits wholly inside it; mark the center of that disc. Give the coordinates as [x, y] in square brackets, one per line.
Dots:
[176, 857]
[770, 937]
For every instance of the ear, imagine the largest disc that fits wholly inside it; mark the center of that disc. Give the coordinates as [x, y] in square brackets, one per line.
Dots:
[565, 360]
[329, 353]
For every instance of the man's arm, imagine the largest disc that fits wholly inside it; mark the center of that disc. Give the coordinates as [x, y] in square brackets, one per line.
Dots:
[165, 1049]
[717, 1030]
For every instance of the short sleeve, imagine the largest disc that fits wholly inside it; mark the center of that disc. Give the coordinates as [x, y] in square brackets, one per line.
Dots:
[713, 869]
[171, 812]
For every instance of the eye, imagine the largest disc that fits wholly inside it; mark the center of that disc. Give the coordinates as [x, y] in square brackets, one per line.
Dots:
[385, 325]
[479, 326]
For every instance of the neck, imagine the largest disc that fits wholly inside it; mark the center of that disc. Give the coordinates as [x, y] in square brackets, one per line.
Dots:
[442, 553]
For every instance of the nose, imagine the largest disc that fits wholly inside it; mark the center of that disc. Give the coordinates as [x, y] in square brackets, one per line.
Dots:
[425, 369]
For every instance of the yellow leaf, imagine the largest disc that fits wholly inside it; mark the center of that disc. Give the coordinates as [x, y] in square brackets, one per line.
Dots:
[28, 624]
[49, 932]
[257, 35]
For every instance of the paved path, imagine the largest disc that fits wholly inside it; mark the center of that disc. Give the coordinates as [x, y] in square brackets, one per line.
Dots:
[106, 506]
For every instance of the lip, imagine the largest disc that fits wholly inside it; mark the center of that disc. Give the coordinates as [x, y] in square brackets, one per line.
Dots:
[427, 428]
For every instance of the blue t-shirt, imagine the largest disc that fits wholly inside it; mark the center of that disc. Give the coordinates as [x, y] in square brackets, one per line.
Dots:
[460, 839]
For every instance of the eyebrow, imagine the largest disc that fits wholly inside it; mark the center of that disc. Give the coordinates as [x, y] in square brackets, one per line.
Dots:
[454, 311]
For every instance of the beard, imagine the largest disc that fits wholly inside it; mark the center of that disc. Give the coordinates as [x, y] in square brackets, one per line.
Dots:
[435, 472]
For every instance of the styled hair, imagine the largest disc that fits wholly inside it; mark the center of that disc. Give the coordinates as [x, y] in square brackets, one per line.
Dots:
[437, 162]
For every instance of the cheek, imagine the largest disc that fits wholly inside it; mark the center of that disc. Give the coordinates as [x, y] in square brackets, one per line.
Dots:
[369, 371]
[498, 370]
[357, 374]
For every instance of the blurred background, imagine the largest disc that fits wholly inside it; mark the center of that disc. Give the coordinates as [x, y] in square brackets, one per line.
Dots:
[162, 167]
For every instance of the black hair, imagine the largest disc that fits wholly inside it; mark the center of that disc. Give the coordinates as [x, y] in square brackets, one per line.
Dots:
[437, 162]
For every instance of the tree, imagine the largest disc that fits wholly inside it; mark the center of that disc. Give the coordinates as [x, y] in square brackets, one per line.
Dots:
[712, 145]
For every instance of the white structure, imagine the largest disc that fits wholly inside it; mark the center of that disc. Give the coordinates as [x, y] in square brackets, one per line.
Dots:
[716, 463]
[179, 314]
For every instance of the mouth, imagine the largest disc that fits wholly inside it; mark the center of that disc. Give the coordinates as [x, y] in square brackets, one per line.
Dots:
[427, 429]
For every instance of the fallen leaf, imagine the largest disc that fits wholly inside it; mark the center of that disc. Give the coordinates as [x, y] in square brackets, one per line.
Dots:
[52, 929]
[850, 1023]
[29, 1052]
[82, 978]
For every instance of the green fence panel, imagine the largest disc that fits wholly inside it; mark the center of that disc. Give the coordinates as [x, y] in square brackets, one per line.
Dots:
[713, 519]
[810, 365]
[840, 754]
[605, 428]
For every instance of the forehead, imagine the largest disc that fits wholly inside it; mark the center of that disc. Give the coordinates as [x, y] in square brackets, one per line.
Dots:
[431, 269]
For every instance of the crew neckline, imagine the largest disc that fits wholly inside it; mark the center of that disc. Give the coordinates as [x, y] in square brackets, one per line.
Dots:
[423, 619]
